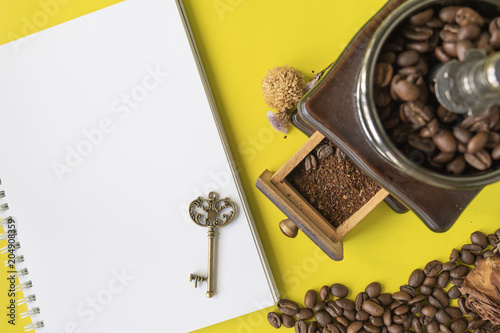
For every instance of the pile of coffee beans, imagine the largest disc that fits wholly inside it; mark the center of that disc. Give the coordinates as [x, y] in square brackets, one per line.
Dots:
[424, 304]
[427, 133]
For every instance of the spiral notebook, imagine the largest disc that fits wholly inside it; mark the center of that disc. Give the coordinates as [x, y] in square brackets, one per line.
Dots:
[107, 137]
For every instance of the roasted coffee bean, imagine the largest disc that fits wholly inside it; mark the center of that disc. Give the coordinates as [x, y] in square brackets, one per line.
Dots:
[445, 141]
[354, 327]
[423, 144]
[320, 305]
[402, 309]
[429, 311]
[405, 90]
[408, 289]
[435, 23]
[433, 327]
[385, 299]
[418, 34]
[430, 281]
[313, 327]
[345, 304]
[430, 129]
[422, 18]
[454, 293]
[467, 257]
[300, 326]
[371, 328]
[408, 58]
[415, 308]
[399, 319]
[432, 268]
[304, 314]
[339, 290]
[288, 228]
[454, 255]
[343, 321]
[324, 151]
[401, 296]
[477, 142]
[376, 321]
[475, 324]
[488, 254]
[493, 239]
[373, 289]
[443, 317]
[443, 279]
[479, 238]
[362, 315]
[478, 259]
[434, 302]
[441, 296]
[373, 308]
[383, 74]
[323, 318]
[288, 307]
[469, 31]
[450, 49]
[426, 320]
[424, 290]
[444, 329]
[448, 36]
[462, 135]
[416, 299]
[466, 15]
[457, 166]
[457, 281]
[421, 47]
[324, 293]
[472, 248]
[462, 306]
[472, 315]
[387, 57]
[310, 163]
[449, 266]
[495, 154]
[480, 160]
[443, 158]
[395, 304]
[417, 327]
[460, 271]
[448, 14]
[330, 328]
[342, 328]
[310, 298]
[441, 54]
[387, 317]
[417, 113]
[288, 321]
[350, 315]
[359, 301]
[395, 328]
[454, 312]
[274, 319]
[459, 326]
[336, 310]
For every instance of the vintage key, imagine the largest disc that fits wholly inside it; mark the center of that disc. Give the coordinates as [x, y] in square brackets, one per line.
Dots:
[211, 213]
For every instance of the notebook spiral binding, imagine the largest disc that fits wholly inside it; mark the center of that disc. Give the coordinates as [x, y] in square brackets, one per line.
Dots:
[8, 232]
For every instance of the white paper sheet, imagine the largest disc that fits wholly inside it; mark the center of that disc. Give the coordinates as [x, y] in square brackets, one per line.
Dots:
[107, 136]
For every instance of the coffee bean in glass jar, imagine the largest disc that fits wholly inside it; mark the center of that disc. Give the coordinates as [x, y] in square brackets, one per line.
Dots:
[423, 130]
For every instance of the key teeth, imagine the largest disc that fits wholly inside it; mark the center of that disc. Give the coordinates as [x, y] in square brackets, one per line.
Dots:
[196, 279]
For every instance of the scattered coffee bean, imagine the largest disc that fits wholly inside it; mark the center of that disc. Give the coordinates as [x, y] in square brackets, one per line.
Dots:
[373, 308]
[432, 268]
[467, 257]
[288, 228]
[300, 327]
[310, 299]
[288, 321]
[339, 290]
[324, 293]
[313, 326]
[373, 289]
[416, 278]
[274, 319]
[288, 307]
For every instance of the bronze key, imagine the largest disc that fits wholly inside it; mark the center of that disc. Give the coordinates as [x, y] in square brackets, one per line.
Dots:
[211, 213]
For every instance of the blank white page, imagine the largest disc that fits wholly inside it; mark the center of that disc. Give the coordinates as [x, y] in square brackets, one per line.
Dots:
[107, 136]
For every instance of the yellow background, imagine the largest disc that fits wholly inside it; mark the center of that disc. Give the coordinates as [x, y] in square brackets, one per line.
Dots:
[239, 41]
